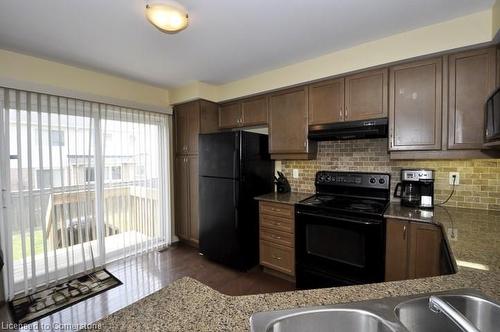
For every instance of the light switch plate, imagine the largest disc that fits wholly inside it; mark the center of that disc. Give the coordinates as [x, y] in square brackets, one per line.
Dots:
[295, 173]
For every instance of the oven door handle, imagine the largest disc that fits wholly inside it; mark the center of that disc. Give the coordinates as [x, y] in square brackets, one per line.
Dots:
[337, 218]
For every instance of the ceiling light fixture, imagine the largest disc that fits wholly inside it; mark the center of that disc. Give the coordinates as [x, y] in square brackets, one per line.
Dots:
[169, 17]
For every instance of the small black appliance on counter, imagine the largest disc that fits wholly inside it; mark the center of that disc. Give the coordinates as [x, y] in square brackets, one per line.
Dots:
[416, 188]
[282, 184]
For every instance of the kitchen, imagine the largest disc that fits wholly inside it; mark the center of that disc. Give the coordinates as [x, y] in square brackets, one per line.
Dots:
[310, 197]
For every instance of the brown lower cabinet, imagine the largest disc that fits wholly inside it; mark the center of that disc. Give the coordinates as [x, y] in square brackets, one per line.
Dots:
[277, 239]
[186, 198]
[413, 250]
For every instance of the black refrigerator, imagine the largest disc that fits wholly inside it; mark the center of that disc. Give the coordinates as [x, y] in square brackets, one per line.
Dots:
[234, 168]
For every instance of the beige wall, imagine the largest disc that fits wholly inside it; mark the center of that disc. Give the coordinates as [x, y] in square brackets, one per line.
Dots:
[464, 31]
[36, 74]
[495, 19]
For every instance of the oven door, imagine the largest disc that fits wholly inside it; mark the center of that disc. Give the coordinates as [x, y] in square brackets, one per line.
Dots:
[338, 250]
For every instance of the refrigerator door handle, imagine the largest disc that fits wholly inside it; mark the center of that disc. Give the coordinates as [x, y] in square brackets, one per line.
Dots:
[236, 224]
[235, 204]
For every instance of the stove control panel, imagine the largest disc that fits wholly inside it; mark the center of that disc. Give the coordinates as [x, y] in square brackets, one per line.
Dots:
[353, 179]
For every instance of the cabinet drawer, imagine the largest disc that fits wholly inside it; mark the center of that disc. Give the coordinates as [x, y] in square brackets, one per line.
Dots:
[278, 237]
[277, 223]
[276, 209]
[277, 257]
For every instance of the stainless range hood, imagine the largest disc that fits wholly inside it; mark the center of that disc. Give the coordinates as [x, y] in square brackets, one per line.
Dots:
[349, 130]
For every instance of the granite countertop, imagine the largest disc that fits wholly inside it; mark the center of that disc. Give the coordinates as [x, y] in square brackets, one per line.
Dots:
[285, 198]
[473, 235]
[188, 305]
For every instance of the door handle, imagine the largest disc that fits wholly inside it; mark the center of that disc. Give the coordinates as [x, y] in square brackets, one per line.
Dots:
[276, 257]
[404, 232]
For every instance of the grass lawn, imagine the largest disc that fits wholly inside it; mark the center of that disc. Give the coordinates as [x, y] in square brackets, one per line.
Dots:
[16, 244]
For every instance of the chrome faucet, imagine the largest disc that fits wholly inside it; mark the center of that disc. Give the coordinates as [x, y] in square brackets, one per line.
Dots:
[438, 305]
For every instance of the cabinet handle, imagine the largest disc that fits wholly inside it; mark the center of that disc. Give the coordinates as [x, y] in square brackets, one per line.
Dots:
[346, 113]
[277, 224]
[340, 114]
[275, 237]
[276, 257]
[404, 232]
[274, 209]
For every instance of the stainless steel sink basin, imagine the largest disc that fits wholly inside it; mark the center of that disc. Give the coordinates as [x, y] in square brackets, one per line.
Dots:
[342, 320]
[396, 314]
[415, 315]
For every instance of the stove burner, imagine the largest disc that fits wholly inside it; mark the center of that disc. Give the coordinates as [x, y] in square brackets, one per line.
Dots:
[352, 204]
[361, 206]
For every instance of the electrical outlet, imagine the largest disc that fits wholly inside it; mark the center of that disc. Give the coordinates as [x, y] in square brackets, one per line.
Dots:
[453, 234]
[295, 173]
[457, 178]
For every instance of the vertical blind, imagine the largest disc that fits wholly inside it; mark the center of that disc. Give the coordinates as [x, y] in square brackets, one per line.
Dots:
[83, 183]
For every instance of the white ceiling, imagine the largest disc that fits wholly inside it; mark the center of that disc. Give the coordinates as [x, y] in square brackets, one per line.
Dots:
[227, 39]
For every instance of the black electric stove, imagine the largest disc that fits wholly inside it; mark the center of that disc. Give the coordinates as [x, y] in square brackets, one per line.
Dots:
[340, 231]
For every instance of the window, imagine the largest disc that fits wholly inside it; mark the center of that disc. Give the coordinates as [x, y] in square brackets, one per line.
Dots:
[89, 174]
[116, 173]
[81, 205]
[57, 138]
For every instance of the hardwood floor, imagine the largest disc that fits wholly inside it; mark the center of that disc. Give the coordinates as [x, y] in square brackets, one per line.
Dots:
[146, 274]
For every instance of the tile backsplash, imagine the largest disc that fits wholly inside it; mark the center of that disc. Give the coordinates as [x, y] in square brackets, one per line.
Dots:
[479, 186]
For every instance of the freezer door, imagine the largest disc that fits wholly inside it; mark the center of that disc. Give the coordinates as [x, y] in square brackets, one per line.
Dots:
[219, 224]
[220, 155]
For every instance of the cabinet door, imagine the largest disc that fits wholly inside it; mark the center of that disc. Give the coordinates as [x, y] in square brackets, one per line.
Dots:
[366, 95]
[254, 111]
[209, 117]
[193, 127]
[472, 80]
[326, 102]
[415, 105]
[192, 166]
[288, 121]
[230, 115]
[181, 121]
[425, 250]
[181, 198]
[396, 251]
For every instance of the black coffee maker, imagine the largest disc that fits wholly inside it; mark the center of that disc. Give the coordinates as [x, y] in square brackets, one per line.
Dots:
[416, 188]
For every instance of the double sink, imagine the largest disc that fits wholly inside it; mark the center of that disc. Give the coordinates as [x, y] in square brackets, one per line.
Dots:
[396, 314]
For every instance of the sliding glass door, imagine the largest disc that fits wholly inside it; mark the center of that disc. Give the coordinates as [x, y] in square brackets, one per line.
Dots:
[82, 183]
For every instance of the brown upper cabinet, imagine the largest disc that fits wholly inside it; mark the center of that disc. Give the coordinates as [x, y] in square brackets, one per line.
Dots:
[326, 102]
[471, 81]
[356, 97]
[366, 95]
[288, 125]
[244, 113]
[193, 118]
[415, 105]
[230, 115]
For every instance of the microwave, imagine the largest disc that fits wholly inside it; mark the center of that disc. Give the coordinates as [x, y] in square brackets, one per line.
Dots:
[492, 121]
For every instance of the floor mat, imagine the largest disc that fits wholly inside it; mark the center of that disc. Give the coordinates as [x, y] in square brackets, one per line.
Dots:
[28, 308]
